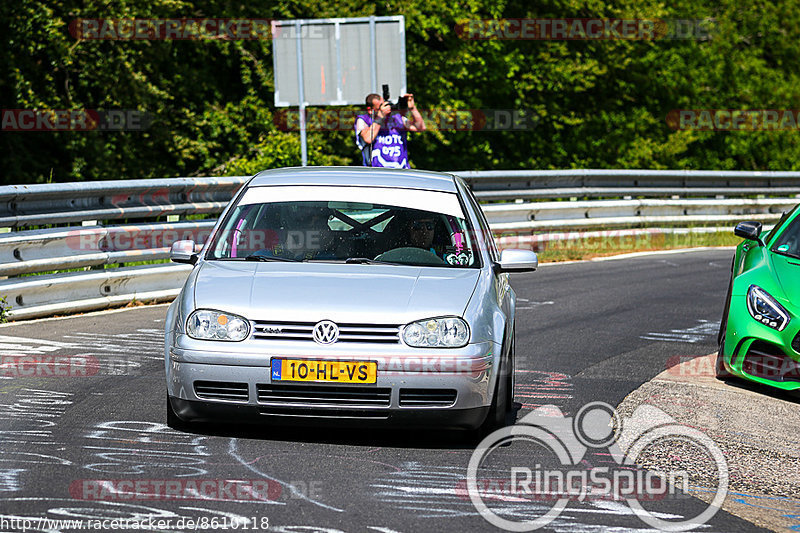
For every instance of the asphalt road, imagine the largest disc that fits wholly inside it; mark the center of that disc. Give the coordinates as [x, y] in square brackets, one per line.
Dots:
[590, 331]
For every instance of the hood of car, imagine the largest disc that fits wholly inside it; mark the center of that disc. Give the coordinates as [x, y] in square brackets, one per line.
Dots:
[786, 272]
[309, 292]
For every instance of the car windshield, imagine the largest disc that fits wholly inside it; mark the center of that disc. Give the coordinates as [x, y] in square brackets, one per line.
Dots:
[422, 228]
[788, 242]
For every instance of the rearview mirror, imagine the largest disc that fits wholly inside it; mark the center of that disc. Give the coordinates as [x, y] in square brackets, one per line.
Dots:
[517, 261]
[750, 231]
[183, 252]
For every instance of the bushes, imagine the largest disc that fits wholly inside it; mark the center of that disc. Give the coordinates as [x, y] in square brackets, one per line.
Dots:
[598, 104]
[5, 307]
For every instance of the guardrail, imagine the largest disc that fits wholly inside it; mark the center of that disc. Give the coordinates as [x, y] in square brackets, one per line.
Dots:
[512, 200]
[59, 203]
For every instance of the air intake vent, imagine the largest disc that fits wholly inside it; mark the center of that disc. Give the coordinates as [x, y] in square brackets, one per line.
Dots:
[768, 349]
[427, 397]
[221, 390]
[323, 396]
[336, 415]
[765, 360]
[796, 343]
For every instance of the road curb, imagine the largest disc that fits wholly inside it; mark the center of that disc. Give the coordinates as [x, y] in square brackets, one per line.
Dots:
[756, 429]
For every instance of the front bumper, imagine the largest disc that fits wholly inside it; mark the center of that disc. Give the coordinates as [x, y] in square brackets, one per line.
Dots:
[204, 411]
[761, 354]
[213, 386]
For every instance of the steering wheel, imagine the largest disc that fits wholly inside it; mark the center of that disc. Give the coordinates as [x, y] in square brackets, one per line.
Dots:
[409, 254]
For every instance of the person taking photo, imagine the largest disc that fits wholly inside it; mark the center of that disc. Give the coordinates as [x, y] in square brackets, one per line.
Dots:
[381, 133]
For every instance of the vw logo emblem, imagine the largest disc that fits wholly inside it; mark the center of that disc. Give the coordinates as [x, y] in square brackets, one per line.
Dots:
[325, 332]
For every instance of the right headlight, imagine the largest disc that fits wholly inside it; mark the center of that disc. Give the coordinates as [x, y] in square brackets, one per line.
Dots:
[446, 332]
[207, 324]
[766, 309]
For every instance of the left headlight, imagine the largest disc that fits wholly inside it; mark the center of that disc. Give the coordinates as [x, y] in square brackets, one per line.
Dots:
[447, 332]
[766, 309]
[205, 324]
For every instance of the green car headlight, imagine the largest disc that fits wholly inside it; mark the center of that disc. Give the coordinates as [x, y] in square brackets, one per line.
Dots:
[766, 309]
[447, 332]
[205, 324]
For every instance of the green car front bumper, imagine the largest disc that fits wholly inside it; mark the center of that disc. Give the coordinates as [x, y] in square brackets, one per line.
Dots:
[759, 353]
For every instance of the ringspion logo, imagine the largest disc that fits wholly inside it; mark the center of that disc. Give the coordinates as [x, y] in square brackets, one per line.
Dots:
[560, 472]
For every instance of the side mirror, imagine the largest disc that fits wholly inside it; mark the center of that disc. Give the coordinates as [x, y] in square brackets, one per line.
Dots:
[517, 261]
[183, 252]
[750, 231]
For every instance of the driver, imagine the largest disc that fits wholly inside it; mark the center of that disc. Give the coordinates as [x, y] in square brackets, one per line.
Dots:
[420, 233]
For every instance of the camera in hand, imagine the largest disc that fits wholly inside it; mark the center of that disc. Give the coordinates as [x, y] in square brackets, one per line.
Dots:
[402, 102]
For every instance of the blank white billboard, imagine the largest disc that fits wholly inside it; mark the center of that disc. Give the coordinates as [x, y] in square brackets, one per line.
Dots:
[341, 60]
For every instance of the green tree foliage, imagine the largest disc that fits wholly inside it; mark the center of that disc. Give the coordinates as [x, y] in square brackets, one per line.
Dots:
[597, 104]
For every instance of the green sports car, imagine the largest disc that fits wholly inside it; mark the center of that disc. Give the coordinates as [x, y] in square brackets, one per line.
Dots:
[759, 337]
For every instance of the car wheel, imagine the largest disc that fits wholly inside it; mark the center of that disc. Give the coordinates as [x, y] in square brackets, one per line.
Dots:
[173, 420]
[719, 367]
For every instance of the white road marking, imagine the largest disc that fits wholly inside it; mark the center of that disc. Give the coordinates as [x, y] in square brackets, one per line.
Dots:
[692, 335]
[26, 346]
[534, 305]
[296, 493]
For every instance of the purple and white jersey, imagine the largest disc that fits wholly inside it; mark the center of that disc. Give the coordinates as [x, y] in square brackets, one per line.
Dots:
[389, 149]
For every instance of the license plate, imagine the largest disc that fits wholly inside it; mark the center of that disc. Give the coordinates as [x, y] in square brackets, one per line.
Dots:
[324, 371]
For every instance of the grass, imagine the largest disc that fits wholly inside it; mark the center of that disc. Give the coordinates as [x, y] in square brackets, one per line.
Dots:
[589, 247]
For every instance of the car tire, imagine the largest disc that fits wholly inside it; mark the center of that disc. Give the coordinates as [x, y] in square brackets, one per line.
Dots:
[502, 407]
[720, 371]
[173, 420]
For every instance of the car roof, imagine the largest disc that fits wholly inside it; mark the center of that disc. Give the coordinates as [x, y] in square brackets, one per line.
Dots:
[356, 176]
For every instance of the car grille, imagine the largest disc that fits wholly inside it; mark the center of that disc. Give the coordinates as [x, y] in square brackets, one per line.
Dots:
[221, 390]
[305, 395]
[427, 397]
[301, 331]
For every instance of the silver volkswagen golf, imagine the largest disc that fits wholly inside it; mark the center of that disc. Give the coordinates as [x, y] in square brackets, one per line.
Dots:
[345, 295]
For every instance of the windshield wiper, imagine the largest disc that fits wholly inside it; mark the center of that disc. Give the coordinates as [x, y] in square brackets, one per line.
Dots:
[255, 257]
[367, 261]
